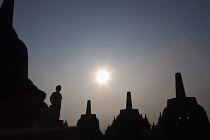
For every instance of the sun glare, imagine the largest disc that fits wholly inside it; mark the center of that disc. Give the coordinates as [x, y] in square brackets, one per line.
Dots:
[102, 76]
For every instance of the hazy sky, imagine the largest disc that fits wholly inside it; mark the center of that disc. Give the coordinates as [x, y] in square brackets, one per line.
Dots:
[142, 42]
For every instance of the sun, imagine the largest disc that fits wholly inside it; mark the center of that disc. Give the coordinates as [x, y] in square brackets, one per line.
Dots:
[102, 76]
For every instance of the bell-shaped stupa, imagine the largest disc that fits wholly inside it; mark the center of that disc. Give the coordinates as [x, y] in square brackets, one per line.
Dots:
[21, 102]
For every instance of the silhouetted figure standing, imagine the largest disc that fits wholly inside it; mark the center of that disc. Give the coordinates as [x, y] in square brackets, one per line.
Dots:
[55, 100]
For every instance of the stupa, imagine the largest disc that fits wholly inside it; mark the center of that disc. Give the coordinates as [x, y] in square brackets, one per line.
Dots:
[89, 125]
[183, 118]
[129, 124]
[21, 102]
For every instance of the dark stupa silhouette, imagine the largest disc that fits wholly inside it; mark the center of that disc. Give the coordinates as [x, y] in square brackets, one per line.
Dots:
[129, 124]
[89, 124]
[21, 102]
[88, 120]
[13, 58]
[183, 118]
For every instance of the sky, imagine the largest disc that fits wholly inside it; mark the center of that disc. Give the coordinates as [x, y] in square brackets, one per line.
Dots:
[142, 43]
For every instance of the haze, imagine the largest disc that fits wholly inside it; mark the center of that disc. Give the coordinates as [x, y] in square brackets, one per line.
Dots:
[142, 42]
